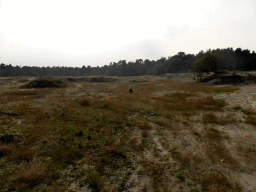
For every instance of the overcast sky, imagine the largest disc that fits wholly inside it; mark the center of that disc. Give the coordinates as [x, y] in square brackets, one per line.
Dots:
[97, 32]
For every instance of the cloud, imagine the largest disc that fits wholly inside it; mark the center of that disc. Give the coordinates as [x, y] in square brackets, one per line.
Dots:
[144, 49]
[176, 30]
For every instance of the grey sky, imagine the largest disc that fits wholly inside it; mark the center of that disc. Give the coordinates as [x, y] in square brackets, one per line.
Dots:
[83, 32]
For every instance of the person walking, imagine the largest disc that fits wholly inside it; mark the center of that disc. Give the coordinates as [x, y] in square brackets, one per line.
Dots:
[131, 91]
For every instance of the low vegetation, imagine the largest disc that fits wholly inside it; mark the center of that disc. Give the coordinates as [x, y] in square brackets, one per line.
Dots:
[166, 136]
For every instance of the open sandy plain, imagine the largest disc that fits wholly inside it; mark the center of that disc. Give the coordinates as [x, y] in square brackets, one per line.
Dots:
[171, 134]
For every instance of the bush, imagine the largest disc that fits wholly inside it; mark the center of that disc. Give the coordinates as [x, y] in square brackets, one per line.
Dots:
[236, 107]
[181, 176]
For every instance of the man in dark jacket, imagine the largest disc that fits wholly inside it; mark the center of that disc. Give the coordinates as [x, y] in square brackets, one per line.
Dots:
[131, 91]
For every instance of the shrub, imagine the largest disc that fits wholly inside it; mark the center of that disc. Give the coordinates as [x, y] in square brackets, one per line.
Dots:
[218, 182]
[144, 126]
[95, 181]
[236, 107]
[31, 174]
[210, 118]
[250, 120]
[85, 101]
[181, 176]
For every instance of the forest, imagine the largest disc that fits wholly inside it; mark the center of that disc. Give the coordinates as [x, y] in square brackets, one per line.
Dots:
[228, 59]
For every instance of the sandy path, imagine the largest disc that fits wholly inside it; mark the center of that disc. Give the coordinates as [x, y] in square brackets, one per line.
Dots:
[245, 97]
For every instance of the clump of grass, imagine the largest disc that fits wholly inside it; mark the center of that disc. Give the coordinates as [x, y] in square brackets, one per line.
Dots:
[109, 141]
[250, 120]
[248, 112]
[41, 114]
[21, 92]
[210, 101]
[186, 113]
[66, 151]
[153, 169]
[22, 108]
[236, 107]
[226, 89]
[134, 144]
[217, 181]
[5, 120]
[6, 150]
[249, 153]
[207, 103]
[193, 87]
[186, 160]
[210, 118]
[22, 80]
[181, 176]
[144, 126]
[31, 174]
[117, 151]
[185, 123]
[162, 123]
[164, 142]
[23, 153]
[227, 119]
[95, 181]
[85, 101]
[129, 123]
[213, 134]
[217, 150]
[198, 135]
[145, 133]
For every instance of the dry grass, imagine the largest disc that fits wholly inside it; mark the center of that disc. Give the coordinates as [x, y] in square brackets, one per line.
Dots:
[248, 153]
[210, 118]
[22, 153]
[250, 120]
[6, 150]
[155, 171]
[236, 107]
[249, 111]
[85, 101]
[144, 126]
[102, 125]
[145, 133]
[21, 92]
[226, 89]
[217, 181]
[30, 174]
[227, 119]
[222, 120]
[216, 149]
[22, 108]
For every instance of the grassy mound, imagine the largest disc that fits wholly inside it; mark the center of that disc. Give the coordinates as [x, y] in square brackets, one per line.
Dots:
[43, 83]
[92, 79]
[223, 79]
[77, 79]
[102, 79]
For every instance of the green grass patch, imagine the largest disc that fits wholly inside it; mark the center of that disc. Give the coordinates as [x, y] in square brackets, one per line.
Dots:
[210, 118]
[248, 111]
[181, 176]
[217, 181]
[226, 89]
[250, 120]
[236, 107]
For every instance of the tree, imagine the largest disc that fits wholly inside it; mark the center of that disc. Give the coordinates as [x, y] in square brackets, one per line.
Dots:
[207, 62]
[124, 67]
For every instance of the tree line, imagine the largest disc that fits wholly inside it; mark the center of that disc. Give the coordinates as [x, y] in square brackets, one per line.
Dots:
[224, 59]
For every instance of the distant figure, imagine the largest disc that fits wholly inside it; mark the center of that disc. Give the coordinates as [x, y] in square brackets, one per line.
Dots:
[131, 91]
